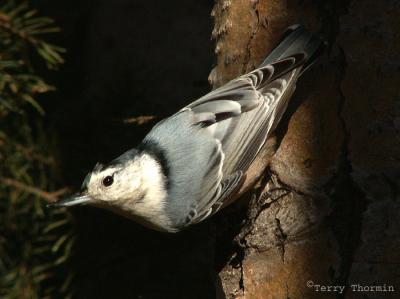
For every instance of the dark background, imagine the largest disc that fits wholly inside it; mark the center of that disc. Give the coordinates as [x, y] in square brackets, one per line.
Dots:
[126, 59]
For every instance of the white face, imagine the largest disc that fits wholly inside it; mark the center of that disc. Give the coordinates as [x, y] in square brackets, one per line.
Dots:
[132, 185]
[115, 183]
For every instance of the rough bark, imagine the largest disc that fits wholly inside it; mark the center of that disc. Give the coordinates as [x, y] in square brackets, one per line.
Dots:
[325, 208]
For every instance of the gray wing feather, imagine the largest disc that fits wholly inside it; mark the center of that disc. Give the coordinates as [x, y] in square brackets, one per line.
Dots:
[206, 118]
[226, 188]
[216, 107]
[252, 106]
[221, 133]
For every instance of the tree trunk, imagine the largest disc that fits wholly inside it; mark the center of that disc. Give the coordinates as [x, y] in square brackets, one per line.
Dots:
[326, 209]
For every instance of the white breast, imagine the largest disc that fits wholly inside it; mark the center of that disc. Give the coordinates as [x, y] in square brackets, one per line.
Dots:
[150, 207]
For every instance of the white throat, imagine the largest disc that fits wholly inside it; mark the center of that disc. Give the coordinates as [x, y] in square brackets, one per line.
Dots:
[153, 180]
[150, 207]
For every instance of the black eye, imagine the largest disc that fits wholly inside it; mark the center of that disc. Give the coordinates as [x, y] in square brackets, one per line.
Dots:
[108, 180]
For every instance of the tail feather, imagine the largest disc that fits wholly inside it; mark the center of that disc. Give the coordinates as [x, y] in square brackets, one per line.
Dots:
[297, 39]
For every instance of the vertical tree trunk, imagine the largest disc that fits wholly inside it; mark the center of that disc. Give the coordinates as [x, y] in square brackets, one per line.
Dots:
[325, 210]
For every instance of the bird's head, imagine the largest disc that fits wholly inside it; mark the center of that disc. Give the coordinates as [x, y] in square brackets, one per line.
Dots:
[118, 181]
[133, 185]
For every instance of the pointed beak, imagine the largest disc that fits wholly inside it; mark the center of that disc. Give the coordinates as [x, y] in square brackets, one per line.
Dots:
[76, 199]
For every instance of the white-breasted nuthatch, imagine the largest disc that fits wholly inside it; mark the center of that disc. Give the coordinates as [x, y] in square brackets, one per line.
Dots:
[190, 164]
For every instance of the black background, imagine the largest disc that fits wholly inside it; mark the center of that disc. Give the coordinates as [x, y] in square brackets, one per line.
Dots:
[126, 59]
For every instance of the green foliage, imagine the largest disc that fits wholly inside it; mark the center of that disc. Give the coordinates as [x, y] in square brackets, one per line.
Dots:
[34, 242]
[20, 31]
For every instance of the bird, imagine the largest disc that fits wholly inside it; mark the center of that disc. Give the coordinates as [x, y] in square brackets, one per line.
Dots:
[191, 164]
